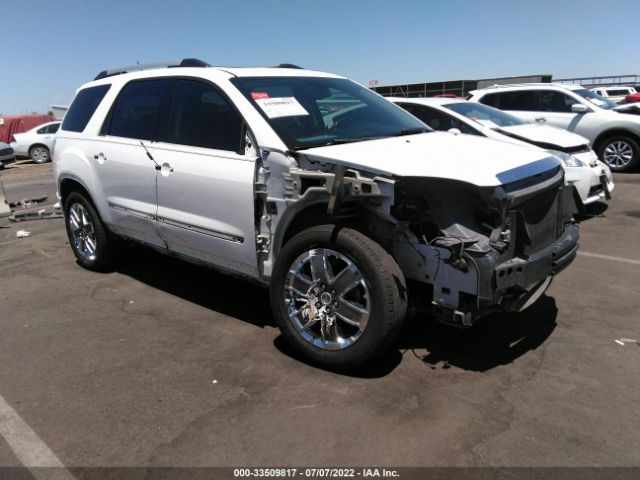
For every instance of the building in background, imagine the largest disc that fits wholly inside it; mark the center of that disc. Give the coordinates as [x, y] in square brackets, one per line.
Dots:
[458, 88]
[59, 111]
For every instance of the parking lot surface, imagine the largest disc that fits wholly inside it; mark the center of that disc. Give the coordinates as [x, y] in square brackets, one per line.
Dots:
[162, 363]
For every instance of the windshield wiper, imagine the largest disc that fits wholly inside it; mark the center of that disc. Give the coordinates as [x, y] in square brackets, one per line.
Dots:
[334, 141]
[412, 131]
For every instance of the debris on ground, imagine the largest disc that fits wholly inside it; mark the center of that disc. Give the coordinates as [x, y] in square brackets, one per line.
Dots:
[624, 341]
[39, 215]
[111, 290]
[57, 205]
[28, 202]
[23, 234]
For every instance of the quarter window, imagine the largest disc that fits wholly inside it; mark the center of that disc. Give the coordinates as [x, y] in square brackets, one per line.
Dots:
[137, 109]
[83, 107]
[201, 117]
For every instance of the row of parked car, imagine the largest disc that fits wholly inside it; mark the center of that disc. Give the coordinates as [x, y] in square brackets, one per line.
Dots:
[345, 204]
[36, 144]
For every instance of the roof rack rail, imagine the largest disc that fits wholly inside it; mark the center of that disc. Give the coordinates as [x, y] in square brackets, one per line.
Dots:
[523, 84]
[185, 62]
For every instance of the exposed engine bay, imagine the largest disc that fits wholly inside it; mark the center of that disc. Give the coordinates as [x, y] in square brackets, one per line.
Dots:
[473, 249]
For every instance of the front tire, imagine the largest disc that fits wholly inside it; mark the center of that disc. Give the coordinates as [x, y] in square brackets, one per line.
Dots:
[620, 152]
[39, 154]
[93, 245]
[338, 297]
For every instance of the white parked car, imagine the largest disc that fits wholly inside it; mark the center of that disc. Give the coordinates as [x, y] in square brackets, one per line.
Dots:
[255, 171]
[613, 93]
[36, 143]
[591, 178]
[615, 136]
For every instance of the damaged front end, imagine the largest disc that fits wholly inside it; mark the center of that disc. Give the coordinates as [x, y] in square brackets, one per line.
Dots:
[483, 249]
[469, 250]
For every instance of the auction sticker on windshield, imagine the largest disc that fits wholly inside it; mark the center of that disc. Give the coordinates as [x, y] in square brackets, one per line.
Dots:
[281, 107]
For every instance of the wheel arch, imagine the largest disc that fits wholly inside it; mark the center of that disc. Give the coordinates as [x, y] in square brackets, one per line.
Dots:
[316, 213]
[69, 185]
[38, 144]
[612, 132]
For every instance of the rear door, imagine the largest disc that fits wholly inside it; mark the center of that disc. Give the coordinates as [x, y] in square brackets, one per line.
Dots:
[206, 181]
[524, 104]
[126, 174]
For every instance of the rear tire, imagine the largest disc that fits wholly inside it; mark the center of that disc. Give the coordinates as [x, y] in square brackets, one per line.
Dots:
[93, 245]
[620, 152]
[39, 154]
[338, 297]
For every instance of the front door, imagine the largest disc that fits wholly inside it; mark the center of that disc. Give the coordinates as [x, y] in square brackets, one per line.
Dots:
[205, 184]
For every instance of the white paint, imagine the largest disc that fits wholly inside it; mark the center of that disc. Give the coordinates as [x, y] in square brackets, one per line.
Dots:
[28, 447]
[629, 261]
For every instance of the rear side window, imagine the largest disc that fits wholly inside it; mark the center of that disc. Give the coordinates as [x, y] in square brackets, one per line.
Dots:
[525, 100]
[201, 117]
[137, 110]
[83, 107]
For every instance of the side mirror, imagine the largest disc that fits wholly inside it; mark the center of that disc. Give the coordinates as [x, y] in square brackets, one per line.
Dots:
[455, 131]
[579, 108]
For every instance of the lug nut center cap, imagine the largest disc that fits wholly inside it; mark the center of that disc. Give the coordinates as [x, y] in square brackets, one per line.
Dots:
[325, 298]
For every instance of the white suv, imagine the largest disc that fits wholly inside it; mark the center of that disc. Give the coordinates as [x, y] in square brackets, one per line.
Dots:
[615, 136]
[317, 188]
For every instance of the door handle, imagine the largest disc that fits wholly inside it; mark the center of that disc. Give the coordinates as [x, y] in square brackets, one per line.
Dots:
[166, 169]
[100, 157]
[540, 119]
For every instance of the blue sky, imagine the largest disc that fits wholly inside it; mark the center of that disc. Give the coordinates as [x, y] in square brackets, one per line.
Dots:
[51, 47]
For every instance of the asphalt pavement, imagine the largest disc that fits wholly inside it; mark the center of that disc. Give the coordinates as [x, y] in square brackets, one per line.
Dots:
[162, 363]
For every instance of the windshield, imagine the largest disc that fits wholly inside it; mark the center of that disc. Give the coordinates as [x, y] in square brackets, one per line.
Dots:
[596, 99]
[489, 116]
[316, 111]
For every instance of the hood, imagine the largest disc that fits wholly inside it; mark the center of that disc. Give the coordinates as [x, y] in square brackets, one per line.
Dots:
[467, 158]
[545, 136]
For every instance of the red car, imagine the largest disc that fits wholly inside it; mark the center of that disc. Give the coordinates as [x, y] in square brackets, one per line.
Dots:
[634, 97]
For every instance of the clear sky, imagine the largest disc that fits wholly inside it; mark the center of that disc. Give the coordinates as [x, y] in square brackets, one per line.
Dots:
[51, 47]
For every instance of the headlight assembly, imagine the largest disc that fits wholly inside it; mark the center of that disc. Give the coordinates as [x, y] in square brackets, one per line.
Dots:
[567, 159]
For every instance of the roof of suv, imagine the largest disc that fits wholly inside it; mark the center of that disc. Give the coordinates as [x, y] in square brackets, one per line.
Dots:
[523, 86]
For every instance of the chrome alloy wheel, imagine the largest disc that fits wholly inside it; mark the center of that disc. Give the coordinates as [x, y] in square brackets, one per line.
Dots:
[84, 237]
[40, 154]
[327, 299]
[618, 154]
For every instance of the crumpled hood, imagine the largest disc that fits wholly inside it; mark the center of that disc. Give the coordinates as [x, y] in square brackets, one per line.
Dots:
[467, 158]
[546, 135]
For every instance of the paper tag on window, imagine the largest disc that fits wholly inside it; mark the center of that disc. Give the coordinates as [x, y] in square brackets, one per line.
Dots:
[281, 107]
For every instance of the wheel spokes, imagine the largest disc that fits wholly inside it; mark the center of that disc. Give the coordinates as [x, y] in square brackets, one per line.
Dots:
[319, 268]
[352, 314]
